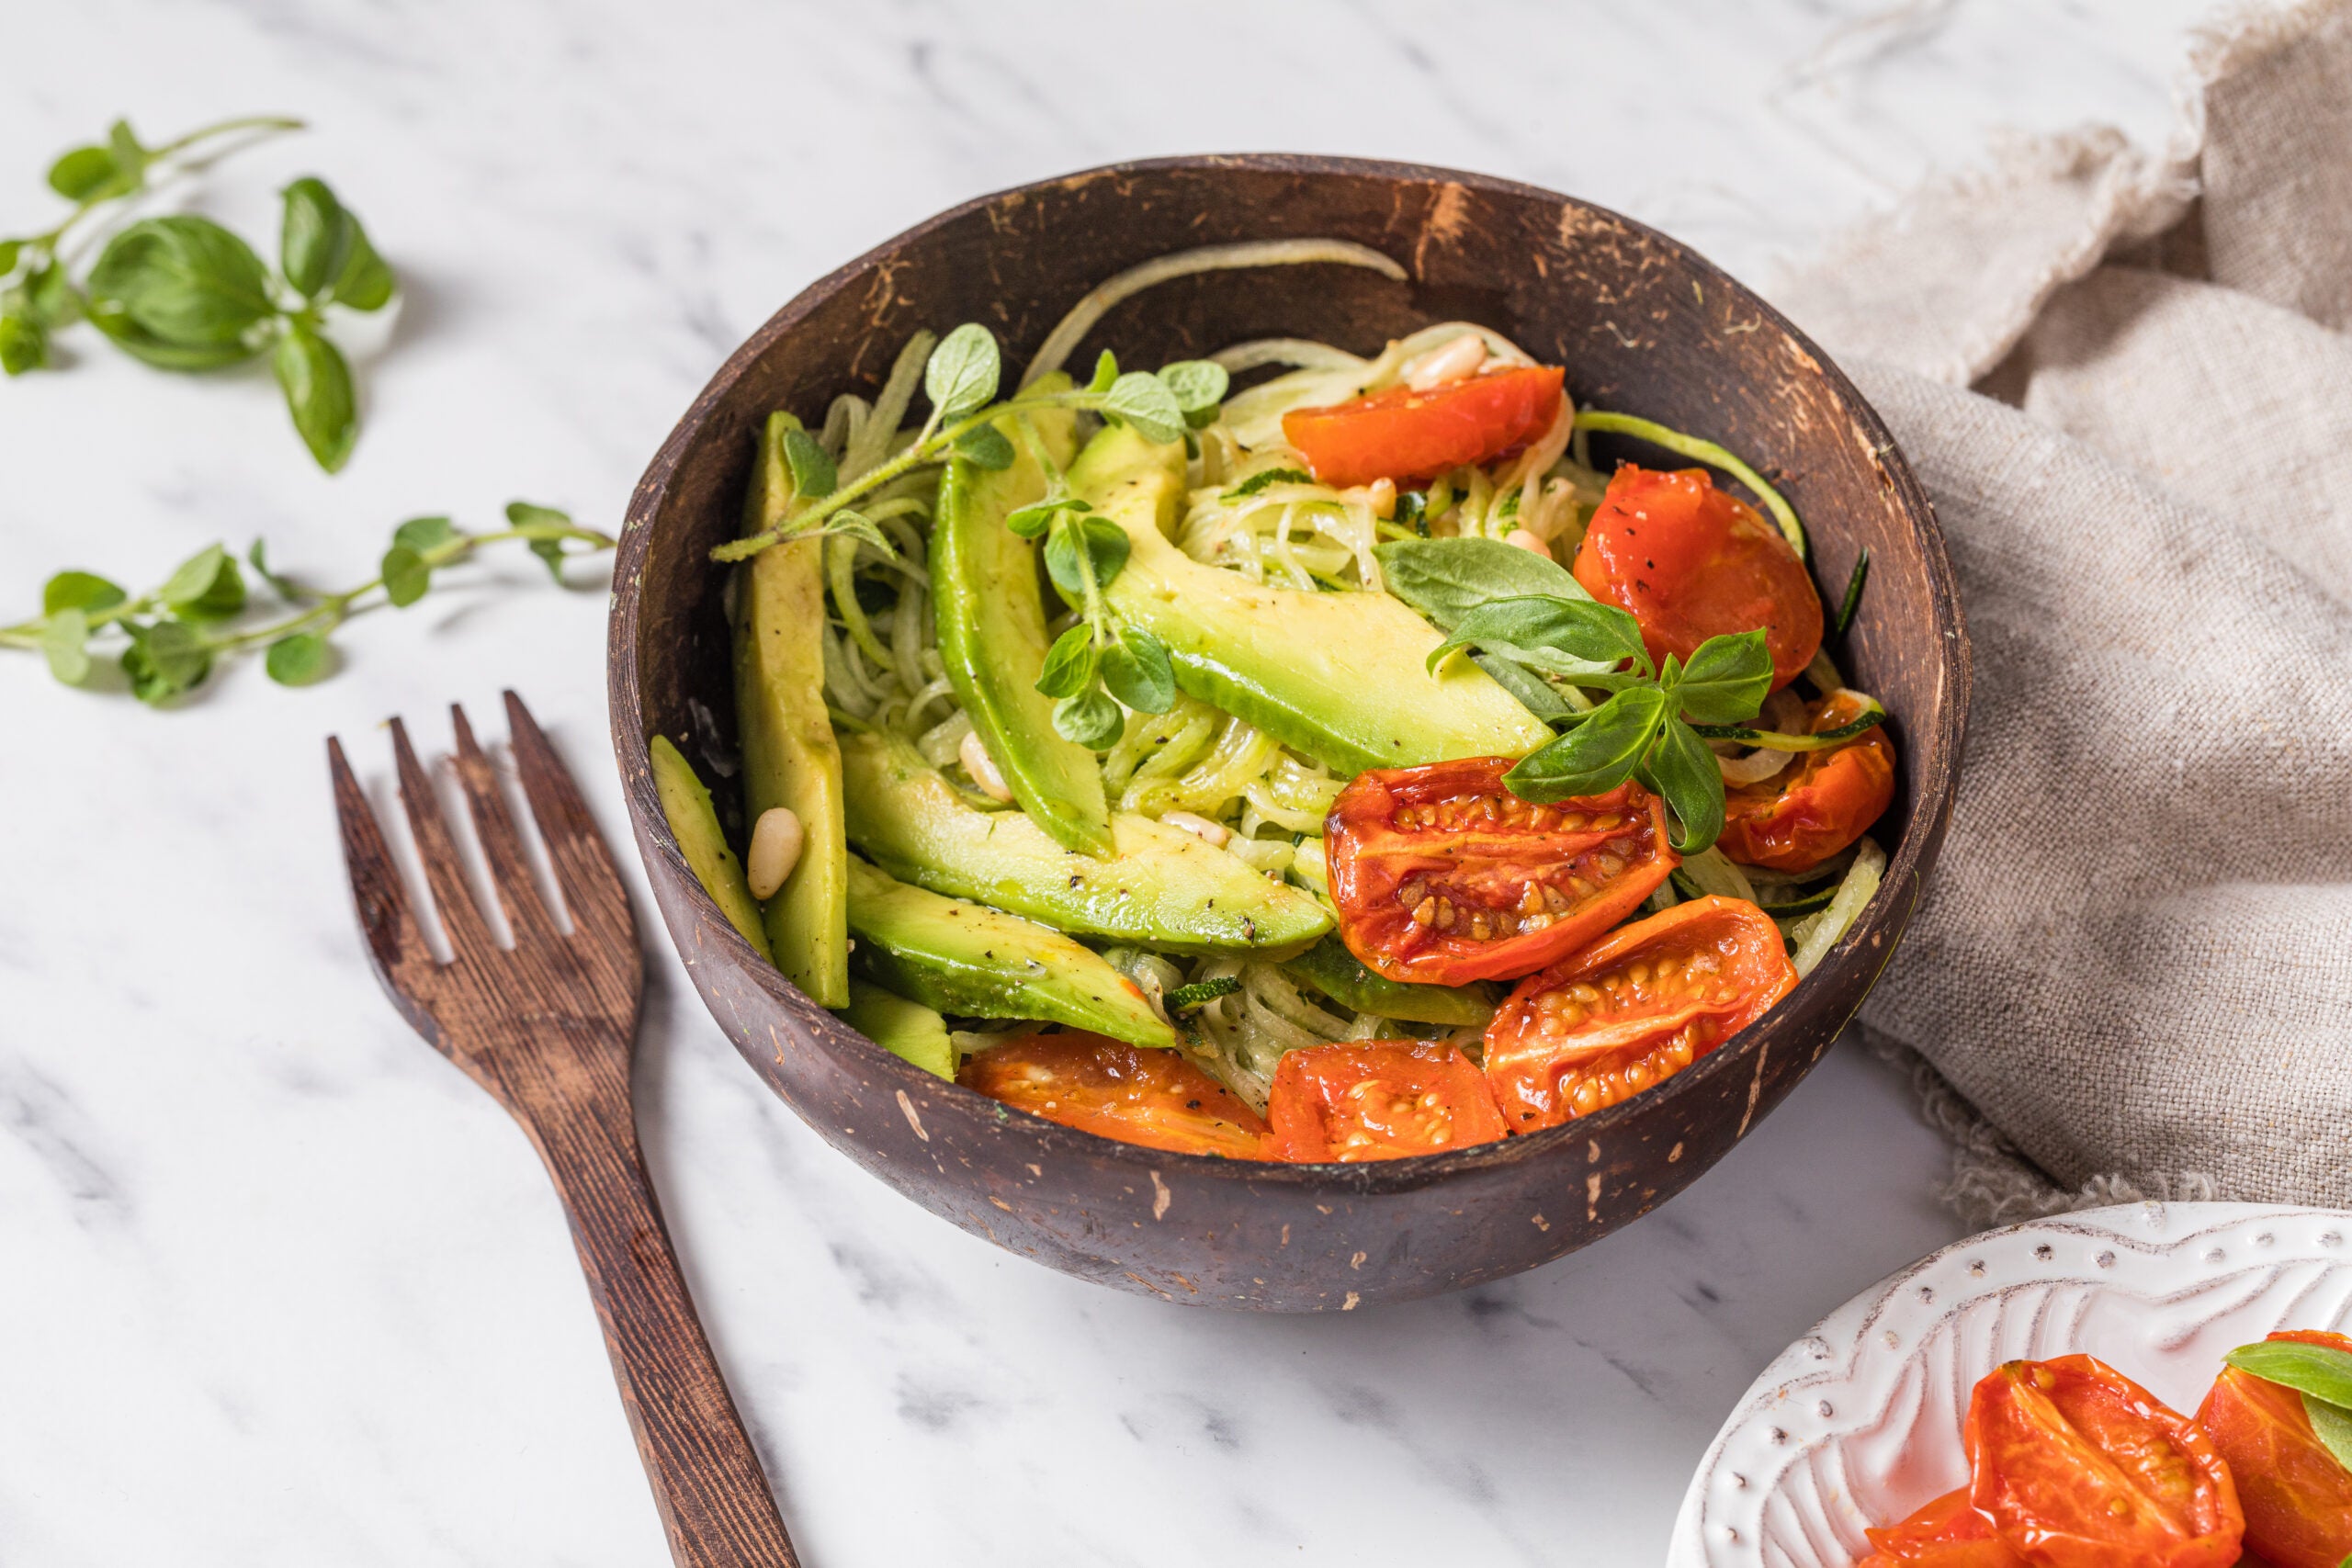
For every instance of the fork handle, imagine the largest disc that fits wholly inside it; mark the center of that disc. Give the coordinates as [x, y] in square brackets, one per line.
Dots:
[714, 1498]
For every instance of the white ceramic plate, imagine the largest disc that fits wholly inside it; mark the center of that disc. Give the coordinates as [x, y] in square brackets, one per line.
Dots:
[1858, 1423]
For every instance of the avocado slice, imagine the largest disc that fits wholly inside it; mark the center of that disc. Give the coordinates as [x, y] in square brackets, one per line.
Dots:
[1339, 974]
[967, 958]
[907, 1030]
[1341, 677]
[992, 622]
[695, 822]
[1161, 888]
[789, 756]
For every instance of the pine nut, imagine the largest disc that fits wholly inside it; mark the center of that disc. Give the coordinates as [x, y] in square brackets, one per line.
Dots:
[1527, 541]
[1451, 363]
[1216, 833]
[982, 767]
[777, 838]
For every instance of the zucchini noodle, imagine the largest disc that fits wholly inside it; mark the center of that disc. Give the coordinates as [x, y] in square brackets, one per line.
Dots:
[1814, 935]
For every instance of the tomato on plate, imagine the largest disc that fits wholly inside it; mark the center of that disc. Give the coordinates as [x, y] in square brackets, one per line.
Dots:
[2297, 1496]
[1442, 875]
[1633, 1010]
[1689, 562]
[1101, 1086]
[1946, 1533]
[2079, 1466]
[1366, 1100]
[1401, 434]
[1820, 803]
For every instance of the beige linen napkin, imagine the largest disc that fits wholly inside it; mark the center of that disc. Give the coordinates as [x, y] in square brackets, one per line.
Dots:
[2135, 957]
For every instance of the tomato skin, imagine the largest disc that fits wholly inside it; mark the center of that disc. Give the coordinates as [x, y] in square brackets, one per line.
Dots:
[1116, 1090]
[1946, 1533]
[1586, 1032]
[2298, 1498]
[1422, 860]
[1689, 562]
[2079, 1466]
[1373, 1100]
[1819, 803]
[1400, 433]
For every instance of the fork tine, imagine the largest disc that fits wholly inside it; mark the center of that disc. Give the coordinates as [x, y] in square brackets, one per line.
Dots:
[585, 869]
[501, 846]
[395, 942]
[461, 923]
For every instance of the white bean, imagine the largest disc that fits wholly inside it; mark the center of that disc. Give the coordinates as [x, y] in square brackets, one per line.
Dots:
[1451, 363]
[1200, 827]
[982, 767]
[777, 838]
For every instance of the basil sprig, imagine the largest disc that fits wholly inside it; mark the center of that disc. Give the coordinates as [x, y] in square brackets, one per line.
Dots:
[2321, 1373]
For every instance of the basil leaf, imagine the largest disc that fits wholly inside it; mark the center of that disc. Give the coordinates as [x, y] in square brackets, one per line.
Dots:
[1197, 385]
[423, 533]
[163, 660]
[406, 577]
[1681, 768]
[365, 283]
[2332, 1424]
[131, 159]
[1598, 755]
[536, 520]
[1534, 694]
[24, 344]
[1727, 679]
[814, 473]
[1070, 663]
[962, 373]
[1446, 579]
[1569, 638]
[1138, 672]
[549, 551]
[2319, 1370]
[1107, 370]
[51, 298]
[1105, 545]
[79, 590]
[297, 659]
[206, 586]
[1264, 477]
[984, 445]
[62, 636]
[86, 173]
[313, 242]
[182, 281]
[286, 588]
[1146, 403]
[317, 383]
[1092, 721]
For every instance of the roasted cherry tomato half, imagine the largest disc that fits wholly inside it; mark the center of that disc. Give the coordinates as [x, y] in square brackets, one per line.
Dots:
[1442, 875]
[1401, 434]
[1633, 1010]
[1153, 1098]
[1819, 803]
[1378, 1099]
[1947, 1533]
[1689, 562]
[2079, 1466]
[2297, 1496]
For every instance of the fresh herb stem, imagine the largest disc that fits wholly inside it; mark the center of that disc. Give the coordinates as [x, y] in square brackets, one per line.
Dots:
[1701, 451]
[1853, 599]
[52, 239]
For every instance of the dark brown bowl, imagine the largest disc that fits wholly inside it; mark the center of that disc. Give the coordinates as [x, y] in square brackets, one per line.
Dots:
[1643, 326]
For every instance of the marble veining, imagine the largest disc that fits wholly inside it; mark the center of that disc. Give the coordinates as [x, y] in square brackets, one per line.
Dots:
[281, 1288]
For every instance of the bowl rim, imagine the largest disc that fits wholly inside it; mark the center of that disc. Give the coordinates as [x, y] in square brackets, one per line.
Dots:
[1745, 1051]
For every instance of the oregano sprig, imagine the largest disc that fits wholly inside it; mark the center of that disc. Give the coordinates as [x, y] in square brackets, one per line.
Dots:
[168, 639]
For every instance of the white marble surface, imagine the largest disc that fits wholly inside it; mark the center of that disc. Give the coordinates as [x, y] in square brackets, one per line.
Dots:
[278, 1287]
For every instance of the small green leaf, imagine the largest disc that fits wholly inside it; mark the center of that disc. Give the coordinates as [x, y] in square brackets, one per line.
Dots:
[1107, 370]
[10, 251]
[365, 283]
[1569, 638]
[85, 173]
[206, 586]
[859, 526]
[984, 445]
[551, 552]
[180, 282]
[1266, 477]
[537, 521]
[1727, 679]
[1105, 544]
[425, 534]
[51, 298]
[79, 590]
[1681, 768]
[24, 344]
[129, 156]
[164, 660]
[1853, 599]
[284, 587]
[313, 240]
[1446, 579]
[1028, 522]
[319, 394]
[1069, 664]
[2332, 1424]
[1092, 720]
[1534, 694]
[1144, 402]
[406, 577]
[1197, 385]
[1598, 755]
[1137, 670]
[962, 373]
[2320, 1370]
[297, 659]
[62, 636]
[814, 473]
[1187, 998]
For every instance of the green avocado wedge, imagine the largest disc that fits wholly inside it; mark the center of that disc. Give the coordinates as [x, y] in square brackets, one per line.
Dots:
[1160, 888]
[1339, 974]
[908, 1030]
[1341, 677]
[966, 958]
[991, 623]
[789, 756]
[695, 822]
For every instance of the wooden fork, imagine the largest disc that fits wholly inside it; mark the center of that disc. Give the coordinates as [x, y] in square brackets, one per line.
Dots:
[549, 1027]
